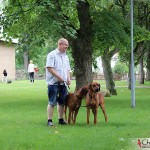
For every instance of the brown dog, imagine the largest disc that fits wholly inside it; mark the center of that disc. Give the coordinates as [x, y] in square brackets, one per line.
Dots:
[94, 99]
[73, 102]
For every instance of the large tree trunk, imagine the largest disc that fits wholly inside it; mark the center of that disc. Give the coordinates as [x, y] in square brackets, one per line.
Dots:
[141, 73]
[83, 63]
[110, 84]
[148, 66]
[82, 47]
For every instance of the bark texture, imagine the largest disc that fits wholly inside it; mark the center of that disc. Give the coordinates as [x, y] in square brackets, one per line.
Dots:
[82, 47]
[110, 84]
[148, 66]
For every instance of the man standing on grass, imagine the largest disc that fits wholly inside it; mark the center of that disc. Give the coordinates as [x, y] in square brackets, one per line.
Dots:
[57, 77]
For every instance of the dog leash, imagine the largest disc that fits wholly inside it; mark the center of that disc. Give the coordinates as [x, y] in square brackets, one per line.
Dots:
[83, 106]
[67, 85]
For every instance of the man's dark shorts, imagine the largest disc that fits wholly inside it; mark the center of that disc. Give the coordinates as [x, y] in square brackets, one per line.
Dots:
[57, 93]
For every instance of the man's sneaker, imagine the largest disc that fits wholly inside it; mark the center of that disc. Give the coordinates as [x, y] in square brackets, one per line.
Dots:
[62, 122]
[50, 124]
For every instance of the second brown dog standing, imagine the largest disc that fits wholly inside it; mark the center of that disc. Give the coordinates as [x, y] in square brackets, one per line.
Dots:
[73, 102]
[94, 99]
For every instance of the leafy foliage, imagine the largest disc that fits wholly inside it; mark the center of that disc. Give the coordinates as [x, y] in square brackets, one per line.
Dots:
[35, 22]
[120, 68]
[109, 30]
[141, 34]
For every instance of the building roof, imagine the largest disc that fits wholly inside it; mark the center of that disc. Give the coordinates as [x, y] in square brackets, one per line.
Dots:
[14, 41]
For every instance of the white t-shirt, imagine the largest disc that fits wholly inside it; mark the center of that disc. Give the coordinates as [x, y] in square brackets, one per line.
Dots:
[31, 68]
[60, 62]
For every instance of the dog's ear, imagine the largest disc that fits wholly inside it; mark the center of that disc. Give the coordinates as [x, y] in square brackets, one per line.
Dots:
[84, 90]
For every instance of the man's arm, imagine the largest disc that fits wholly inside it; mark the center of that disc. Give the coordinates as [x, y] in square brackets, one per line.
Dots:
[68, 78]
[54, 73]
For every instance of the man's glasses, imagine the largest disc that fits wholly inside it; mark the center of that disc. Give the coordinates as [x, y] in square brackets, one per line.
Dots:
[64, 44]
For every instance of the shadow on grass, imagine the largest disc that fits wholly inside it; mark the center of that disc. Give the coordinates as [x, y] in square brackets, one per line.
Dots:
[110, 124]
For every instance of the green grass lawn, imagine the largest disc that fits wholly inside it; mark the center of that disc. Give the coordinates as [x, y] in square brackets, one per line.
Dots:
[23, 119]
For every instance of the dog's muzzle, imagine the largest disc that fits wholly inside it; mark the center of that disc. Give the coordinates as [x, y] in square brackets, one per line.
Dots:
[97, 90]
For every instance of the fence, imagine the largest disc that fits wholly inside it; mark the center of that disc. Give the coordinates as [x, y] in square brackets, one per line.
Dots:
[22, 75]
[116, 77]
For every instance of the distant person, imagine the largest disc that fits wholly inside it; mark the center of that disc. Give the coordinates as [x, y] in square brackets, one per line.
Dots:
[31, 69]
[4, 75]
[57, 76]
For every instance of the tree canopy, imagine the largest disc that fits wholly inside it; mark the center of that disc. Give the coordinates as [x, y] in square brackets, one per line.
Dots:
[93, 28]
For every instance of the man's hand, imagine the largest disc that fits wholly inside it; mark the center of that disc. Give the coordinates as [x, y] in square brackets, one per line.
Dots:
[68, 82]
